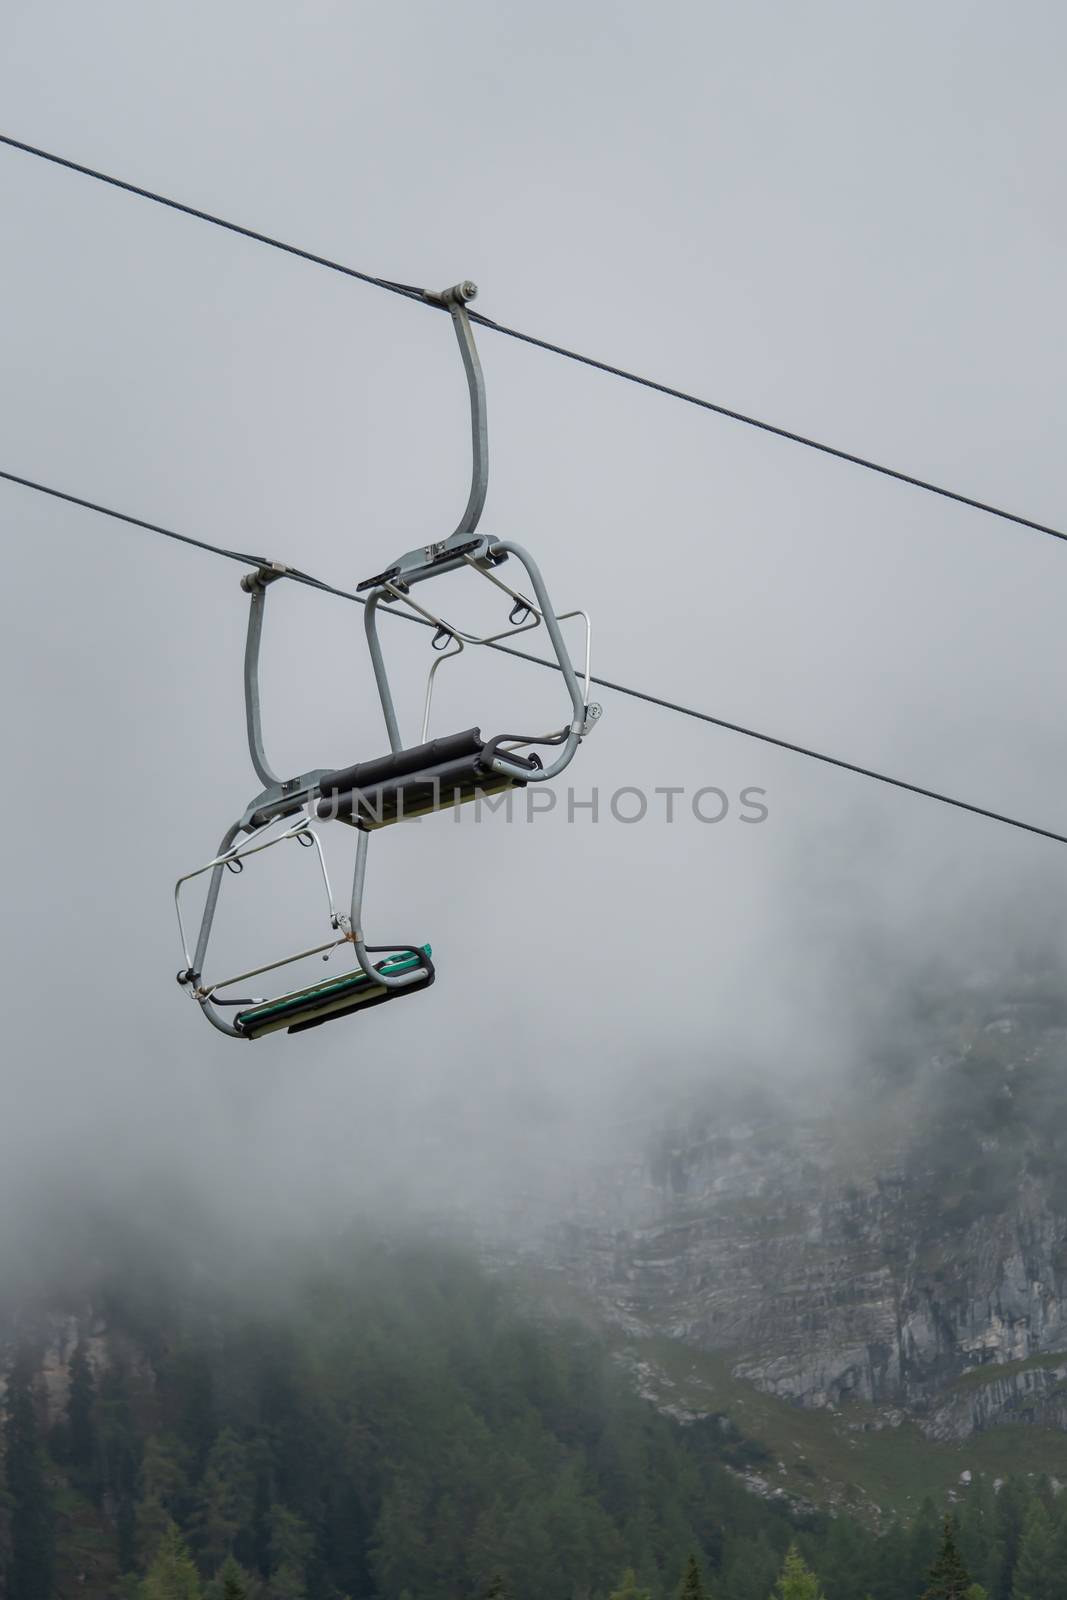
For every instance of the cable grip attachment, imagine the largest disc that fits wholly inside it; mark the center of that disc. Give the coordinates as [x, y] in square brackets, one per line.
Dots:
[460, 294]
[269, 573]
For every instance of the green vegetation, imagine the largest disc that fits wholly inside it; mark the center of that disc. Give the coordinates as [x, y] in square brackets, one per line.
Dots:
[390, 1426]
[629, 1588]
[796, 1581]
[1009, 1369]
[692, 1584]
[847, 1459]
[28, 1526]
[949, 1578]
[172, 1574]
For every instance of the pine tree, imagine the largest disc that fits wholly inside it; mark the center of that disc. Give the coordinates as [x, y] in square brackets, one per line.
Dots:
[948, 1577]
[286, 1583]
[172, 1575]
[495, 1589]
[796, 1581]
[30, 1524]
[1035, 1577]
[1058, 1549]
[231, 1582]
[975, 1534]
[81, 1425]
[118, 1456]
[628, 1588]
[889, 1579]
[225, 1500]
[692, 1584]
[750, 1568]
[164, 1494]
[292, 1543]
[846, 1566]
[1012, 1504]
[292, 1546]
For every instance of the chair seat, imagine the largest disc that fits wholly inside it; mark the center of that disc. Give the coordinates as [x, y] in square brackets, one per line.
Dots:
[411, 783]
[334, 997]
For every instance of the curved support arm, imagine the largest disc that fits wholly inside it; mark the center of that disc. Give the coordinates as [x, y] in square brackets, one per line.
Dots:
[456, 301]
[479, 420]
[362, 956]
[255, 585]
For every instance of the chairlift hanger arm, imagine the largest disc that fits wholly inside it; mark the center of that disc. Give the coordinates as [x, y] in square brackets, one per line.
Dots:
[280, 796]
[255, 586]
[456, 300]
[445, 555]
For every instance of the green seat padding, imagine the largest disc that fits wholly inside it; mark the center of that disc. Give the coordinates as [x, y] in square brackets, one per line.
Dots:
[333, 998]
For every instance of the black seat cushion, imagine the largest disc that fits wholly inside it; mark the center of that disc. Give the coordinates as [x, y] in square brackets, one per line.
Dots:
[383, 769]
[427, 777]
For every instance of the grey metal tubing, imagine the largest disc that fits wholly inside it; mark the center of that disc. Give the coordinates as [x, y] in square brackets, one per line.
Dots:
[574, 738]
[214, 884]
[545, 614]
[231, 853]
[256, 586]
[206, 921]
[225, 854]
[553, 770]
[301, 829]
[461, 633]
[472, 366]
[272, 966]
[381, 676]
[456, 300]
[218, 1021]
[446, 655]
[506, 633]
[362, 955]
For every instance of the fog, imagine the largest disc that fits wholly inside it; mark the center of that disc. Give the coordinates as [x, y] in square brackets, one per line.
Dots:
[847, 220]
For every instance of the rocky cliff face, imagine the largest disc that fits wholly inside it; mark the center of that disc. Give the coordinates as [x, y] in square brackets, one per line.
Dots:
[53, 1336]
[906, 1248]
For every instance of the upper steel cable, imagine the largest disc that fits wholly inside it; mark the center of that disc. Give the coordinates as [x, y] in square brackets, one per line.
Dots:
[410, 292]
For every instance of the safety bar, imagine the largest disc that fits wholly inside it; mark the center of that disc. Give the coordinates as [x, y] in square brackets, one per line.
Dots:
[500, 764]
[228, 856]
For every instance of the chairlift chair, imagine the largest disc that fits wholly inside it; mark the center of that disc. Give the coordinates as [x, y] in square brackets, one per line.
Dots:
[432, 775]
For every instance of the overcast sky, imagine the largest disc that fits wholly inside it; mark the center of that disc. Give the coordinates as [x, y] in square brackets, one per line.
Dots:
[846, 218]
